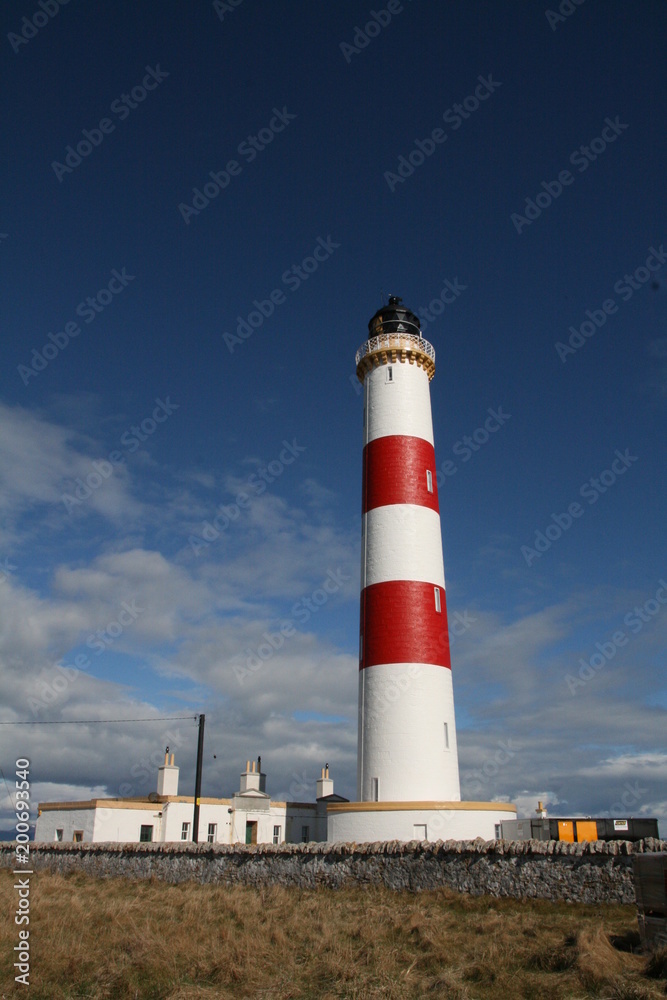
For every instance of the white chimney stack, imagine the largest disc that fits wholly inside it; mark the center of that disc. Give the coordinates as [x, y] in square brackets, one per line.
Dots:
[167, 777]
[324, 784]
[252, 779]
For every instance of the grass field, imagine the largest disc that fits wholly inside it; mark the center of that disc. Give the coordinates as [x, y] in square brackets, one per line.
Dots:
[115, 939]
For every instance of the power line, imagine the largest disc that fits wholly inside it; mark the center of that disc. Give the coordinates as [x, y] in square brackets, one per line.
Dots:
[96, 722]
[7, 787]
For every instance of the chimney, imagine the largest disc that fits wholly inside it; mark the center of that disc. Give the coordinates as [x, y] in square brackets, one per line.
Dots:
[167, 777]
[252, 778]
[324, 784]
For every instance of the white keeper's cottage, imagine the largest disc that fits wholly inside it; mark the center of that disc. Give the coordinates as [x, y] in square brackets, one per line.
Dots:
[248, 817]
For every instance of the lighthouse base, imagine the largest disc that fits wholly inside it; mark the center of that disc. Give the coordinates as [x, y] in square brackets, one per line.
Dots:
[363, 822]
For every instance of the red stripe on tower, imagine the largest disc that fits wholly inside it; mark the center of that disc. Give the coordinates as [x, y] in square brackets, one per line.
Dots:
[401, 623]
[399, 469]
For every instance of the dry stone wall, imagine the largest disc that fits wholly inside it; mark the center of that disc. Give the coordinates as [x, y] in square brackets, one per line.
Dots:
[597, 872]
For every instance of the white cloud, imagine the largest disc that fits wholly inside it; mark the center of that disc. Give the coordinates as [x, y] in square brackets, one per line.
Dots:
[41, 463]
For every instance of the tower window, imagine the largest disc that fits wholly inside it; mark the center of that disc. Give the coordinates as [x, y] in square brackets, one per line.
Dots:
[436, 594]
[390, 373]
[375, 789]
[446, 736]
[429, 480]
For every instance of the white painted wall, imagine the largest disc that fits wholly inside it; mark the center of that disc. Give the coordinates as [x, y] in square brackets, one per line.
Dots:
[402, 542]
[106, 823]
[125, 824]
[402, 711]
[68, 820]
[177, 813]
[99, 825]
[306, 816]
[363, 827]
[265, 823]
[402, 406]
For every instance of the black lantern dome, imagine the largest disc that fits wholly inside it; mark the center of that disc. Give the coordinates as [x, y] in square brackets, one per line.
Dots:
[394, 318]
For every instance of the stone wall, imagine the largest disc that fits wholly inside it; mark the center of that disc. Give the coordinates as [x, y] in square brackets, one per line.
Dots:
[597, 872]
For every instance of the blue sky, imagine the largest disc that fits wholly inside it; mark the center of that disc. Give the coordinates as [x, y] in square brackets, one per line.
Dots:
[179, 349]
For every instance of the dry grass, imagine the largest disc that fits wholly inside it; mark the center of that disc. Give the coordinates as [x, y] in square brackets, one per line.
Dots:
[123, 940]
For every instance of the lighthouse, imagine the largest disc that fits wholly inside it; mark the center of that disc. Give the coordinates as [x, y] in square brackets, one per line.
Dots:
[407, 734]
[407, 758]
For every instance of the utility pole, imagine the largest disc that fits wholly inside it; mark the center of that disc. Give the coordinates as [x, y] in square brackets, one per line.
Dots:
[200, 758]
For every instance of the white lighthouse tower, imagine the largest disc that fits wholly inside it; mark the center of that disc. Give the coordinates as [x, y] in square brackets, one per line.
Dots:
[407, 767]
[407, 735]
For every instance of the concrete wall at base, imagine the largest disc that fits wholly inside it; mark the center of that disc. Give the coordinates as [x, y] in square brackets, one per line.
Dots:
[599, 872]
[399, 824]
